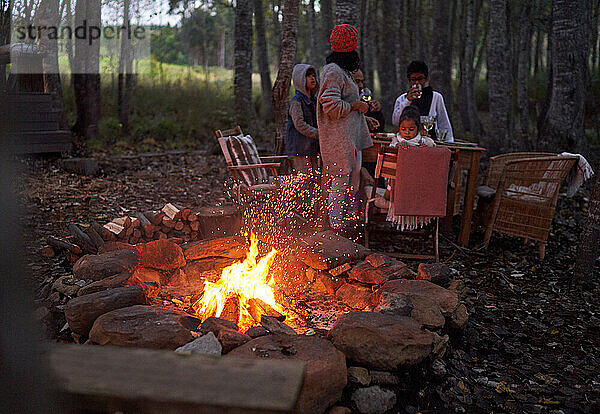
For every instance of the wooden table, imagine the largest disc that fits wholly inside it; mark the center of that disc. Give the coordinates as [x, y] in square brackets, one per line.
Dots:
[467, 159]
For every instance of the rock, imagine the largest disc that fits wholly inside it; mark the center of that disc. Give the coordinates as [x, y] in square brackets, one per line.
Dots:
[364, 272]
[111, 246]
[340, 269]
[377, 260]
[325, 284]
[359, 375]
[231, 339]
[209, 268]
[256, 331]
[384, 342]
[440, 345]
[233, 247]
[82, 311]
[100, 266]
[144, 327]
[162, 254]
[150, 276]
[206, 344]
[325, 376]
[437, 273]
[289, 274]
[373, 400]
[151, 289]
[81, 166]
[446, 300]
[356, 296]
[67, 285]
[42, 314]
[427, 312]
[459, 317]
[276, 327]
[327, 250]
[110, 282]
[438, 369]
[216, 325]
[394, 304]
[311, 274]
[338, 410]
[384, 378]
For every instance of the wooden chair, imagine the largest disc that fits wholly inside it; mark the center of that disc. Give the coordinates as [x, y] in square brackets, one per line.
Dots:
[376, 208]
[526, 193]
[249, 170]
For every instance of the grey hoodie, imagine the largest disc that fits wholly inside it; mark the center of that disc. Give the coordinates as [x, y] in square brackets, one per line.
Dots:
[296, 113]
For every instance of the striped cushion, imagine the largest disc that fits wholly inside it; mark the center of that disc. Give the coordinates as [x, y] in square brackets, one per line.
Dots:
[243, 152]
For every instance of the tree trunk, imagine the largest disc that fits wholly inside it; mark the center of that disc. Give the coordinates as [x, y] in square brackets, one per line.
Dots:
[594, 35]
[263, 59]
[86, 79]
[402, 45]
[242, 77]
[368, 50]
[316, 56]
[48, 16]
[281, 90]
[467, 74]
[589, 239]
[386, 58]
[561, 124]
[276, 12]
[326, 23]
[5, 18]
[124, 82]
[523, 139]
[440, 71]
[348, 11]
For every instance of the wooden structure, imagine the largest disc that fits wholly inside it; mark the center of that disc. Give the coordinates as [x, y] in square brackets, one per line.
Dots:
[387, 159]
[526, 193]
[467, 160]
[109, 379]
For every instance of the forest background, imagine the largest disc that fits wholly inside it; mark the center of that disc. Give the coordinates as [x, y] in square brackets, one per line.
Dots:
[502, 77]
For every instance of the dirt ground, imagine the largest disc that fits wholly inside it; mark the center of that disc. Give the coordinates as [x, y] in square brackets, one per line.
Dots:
[532, 340]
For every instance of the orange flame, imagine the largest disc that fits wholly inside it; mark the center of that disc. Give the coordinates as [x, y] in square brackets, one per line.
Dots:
[246, 279]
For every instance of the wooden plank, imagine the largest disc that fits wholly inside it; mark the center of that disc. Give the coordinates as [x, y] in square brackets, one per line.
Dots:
[40, 148]
[110, 379]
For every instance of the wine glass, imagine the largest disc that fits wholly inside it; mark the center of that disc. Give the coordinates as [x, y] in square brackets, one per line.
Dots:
[428, 122]
[366, 95]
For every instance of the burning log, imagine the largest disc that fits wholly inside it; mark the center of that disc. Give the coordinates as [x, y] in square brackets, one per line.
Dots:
[84, 240]
[231, 309]
[257, 308]
[61, 244]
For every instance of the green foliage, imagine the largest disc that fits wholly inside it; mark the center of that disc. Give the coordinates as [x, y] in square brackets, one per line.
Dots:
[167, 47]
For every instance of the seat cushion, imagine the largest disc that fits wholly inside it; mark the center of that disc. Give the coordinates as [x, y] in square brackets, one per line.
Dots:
[243, 152]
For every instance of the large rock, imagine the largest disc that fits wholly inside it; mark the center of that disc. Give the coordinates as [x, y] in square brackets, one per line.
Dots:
[394, 304]
[82, 311]
[231, 339]
[100, 266]
[209, 268]
[233, 247]
[162, 254]
[289, 274]
[110, 282]
[327, 250]
[373, 400]
[437, 273]
[447, 300]
[207, 345]
[111, 246]
[216, 325]
[325, 376]
[366, 273]
[144, 327]
[326, 284]
[356, 296]
[385, 342]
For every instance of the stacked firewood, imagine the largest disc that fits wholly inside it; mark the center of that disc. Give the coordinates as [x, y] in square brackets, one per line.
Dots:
[172, 222]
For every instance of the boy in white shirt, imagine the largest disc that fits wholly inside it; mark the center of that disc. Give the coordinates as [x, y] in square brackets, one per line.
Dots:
[427, 101]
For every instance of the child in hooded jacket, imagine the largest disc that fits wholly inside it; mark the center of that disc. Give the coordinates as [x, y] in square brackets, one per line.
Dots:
[302, 137]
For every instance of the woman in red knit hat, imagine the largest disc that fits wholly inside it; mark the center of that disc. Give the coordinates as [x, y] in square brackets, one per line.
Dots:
[343, 130]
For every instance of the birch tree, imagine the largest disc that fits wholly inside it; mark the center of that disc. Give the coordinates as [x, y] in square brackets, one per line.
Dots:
[242, 62]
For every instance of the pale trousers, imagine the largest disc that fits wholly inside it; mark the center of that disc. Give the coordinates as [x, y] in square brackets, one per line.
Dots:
[342, 192]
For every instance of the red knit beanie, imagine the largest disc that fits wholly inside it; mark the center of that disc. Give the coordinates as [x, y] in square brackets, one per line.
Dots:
[344, 38]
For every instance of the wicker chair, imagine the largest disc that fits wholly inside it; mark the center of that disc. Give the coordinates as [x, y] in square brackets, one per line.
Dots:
[526, 193]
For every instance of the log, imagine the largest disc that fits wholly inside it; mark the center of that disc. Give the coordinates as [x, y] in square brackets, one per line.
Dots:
[186, 229]
[219, 221]
[83, 239]
[111, 379]
[124, 222]
[115, 228]
[135, 222]
[145, 225]
[155, 217]
[231, 309]
[179, 225]
[257, 308]
[149, 231]
[192, 217]
[176, 240]
[106, 234]
[194, 225]
[61, 244]
[162, 235]
[171, 211]
[168, 222]
[94, 236]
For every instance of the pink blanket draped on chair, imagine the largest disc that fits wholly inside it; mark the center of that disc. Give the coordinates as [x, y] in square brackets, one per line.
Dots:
[420, 187]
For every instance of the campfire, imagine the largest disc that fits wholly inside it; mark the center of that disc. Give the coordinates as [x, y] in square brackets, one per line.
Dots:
[243, 293]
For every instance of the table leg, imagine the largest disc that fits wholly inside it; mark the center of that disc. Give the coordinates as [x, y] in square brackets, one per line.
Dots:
[465, 224]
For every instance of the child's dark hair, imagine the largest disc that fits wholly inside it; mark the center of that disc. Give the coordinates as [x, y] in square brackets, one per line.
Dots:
[417, 66]
[411, 113]
[349, 61]
[311, 71]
